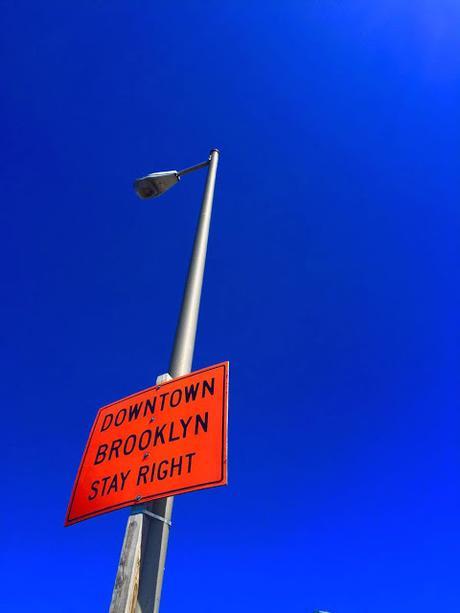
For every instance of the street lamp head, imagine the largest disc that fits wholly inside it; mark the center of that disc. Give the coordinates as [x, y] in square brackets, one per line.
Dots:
[156, 183]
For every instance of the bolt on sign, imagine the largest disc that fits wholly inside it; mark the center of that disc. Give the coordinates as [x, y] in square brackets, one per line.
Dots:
[166, 440]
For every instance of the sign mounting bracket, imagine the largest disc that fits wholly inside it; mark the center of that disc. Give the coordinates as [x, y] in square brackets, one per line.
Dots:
[150, 514]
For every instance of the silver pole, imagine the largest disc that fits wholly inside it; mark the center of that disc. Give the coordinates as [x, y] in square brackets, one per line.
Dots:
[141, 567]
[184, 343]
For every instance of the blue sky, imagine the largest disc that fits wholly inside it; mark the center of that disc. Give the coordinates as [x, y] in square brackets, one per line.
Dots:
[331, 286]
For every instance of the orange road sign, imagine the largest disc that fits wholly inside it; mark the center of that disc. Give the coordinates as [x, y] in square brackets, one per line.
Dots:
[166, 440]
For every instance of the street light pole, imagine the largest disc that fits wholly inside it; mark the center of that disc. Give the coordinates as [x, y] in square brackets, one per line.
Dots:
[184, 343]
[141, 567]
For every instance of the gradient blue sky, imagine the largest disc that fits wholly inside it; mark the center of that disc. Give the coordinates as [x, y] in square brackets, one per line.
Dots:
[331, 286]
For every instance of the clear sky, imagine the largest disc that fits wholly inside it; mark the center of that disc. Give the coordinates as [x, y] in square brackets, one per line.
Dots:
[331, 286]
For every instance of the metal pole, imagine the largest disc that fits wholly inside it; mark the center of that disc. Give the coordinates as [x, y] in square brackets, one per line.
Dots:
[184, 343]
[141, 567]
